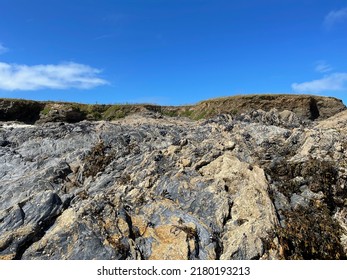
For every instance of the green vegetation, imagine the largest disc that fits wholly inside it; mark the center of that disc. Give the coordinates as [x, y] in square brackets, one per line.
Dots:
[199, 115]
[46, 110]
[187, 113]
[170, 113]
[115, 112]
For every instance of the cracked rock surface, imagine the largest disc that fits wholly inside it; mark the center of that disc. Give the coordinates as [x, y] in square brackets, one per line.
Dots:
[260, 185]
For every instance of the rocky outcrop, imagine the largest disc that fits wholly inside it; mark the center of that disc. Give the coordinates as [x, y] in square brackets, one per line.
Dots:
[20, 110]
[264, 184]
[305, 108]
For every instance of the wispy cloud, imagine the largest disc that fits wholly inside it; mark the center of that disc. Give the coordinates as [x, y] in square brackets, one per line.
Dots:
[331, 82]
[105, 36]
[59, 76]
[323, 67]
[3, 49]
[335, 17]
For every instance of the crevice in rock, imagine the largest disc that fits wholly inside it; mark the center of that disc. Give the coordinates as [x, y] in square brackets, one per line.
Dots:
[193, 253]
[228, 217]
[314, 111]
[36, 236]
[22, 213]
[217, 235]
[133, 233]
[192, 235]
[216, 239]
[201, 164]
[197, 247]
[40, 230]
[128, 220]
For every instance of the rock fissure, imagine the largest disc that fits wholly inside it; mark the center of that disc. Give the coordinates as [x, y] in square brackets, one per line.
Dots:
[35, 236]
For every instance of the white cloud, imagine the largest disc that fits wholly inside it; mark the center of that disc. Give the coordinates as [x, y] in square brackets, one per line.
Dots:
[331, 82]
[335, 17]
[59, 76]
[323, 67]
[3, 49]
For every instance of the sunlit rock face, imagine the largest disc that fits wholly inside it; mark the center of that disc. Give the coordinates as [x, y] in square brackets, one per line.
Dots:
[267, 183]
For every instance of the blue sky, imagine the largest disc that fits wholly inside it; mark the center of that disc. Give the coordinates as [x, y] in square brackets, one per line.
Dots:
[171, 51]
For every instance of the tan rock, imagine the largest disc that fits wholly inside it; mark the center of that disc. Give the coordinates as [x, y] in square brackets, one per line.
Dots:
[170, 244]
[171, 150]
[123, 227]
[7, 257]
[253, 214]
[186, 162]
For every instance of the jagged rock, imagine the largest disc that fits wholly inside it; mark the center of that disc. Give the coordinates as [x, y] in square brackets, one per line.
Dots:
[268, 183]
[250, 214]
[58, 113]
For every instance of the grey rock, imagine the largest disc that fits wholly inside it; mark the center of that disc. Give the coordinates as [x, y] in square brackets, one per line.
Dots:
[298, 201]
[153, 187]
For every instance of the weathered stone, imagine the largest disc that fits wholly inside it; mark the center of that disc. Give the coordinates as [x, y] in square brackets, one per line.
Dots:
[247, 186]
[252, 214]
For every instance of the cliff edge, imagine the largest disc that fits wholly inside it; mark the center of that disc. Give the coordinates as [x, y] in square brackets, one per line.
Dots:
[306, 107]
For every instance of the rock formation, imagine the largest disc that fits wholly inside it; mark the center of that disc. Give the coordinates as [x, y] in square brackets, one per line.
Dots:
[259, 180]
